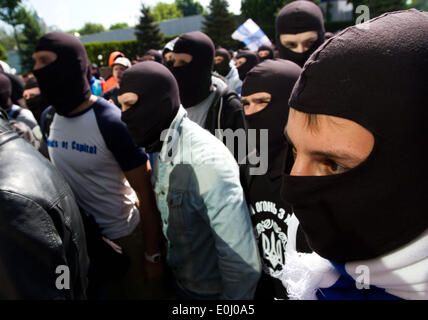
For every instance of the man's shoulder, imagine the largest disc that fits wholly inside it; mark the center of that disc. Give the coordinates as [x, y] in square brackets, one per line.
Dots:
[205, 147]
[231, 101]
[107, 111]
[44, 190]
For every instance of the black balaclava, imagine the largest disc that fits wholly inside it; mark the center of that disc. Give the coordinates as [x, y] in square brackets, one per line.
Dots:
[157, 105]
[37, 104]
[278, 78]
[328, 35]
[194, 79]
[155, 54]
[376, 78]
[97, 73]
[64, 83]
[252, 61]
[223, 68]
[298, 17]
[271, 53]
[5, 92]
[169, 64]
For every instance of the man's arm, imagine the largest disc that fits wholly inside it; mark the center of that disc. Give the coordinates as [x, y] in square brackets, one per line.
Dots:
[31, 250]
[140, 181]
[238, 256]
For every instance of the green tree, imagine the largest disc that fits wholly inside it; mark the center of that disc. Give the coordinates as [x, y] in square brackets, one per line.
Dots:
[189, 7]
[219, 24]
[7, 40]
[3, 54]
[91, 28]
[31, 33]
[120, 25]
[164, 11]
[264, 13]
[379, 7]
[12, 13]
[419, 4]
[147, 31]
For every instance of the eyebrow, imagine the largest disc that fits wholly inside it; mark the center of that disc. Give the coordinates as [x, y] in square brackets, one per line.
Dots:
[335, 155]
[313, 38]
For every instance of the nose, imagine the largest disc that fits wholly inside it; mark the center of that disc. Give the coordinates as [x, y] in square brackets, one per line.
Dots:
[301, 168]
[300, 48]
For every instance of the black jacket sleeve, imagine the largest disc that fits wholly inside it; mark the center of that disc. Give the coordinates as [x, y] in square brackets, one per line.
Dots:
[32, 253]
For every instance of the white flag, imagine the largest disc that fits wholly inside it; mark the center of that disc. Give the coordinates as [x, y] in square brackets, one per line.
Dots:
[251, 34]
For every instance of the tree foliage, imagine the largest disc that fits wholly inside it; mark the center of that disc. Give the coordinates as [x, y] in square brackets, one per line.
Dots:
[31, 33]
[419, 4]
[91, 28]
[164, 11]
[12, 13]
[219, 24]
[3, 54]
[147, 31]
[102, 50]
[189, 7]
[120, 25]
[379, 7]
[7, 40]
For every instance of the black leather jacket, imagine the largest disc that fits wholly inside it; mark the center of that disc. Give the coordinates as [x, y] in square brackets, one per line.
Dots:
[41, 231]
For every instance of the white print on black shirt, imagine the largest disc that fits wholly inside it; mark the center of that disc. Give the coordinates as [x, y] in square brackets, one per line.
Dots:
[272, 237]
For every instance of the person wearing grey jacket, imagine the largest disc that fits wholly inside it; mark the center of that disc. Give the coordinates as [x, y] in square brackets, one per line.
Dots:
[211, 249]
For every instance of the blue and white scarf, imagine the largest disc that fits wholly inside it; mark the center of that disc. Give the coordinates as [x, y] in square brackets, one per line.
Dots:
[400, 275]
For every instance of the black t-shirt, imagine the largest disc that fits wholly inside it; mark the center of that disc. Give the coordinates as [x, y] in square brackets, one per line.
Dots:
[270, 216]
[112, 95]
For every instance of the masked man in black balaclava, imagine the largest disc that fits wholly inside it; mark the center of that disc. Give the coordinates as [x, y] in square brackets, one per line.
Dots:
[14, 112]
[34, 99]
[153, 55]
[265, 53]
[265, 106]
[359, 181]
[223, 66]
[213, 108]
[245, 61]
[5, 93]
[194, 175]
[92, 148]
[299, 31]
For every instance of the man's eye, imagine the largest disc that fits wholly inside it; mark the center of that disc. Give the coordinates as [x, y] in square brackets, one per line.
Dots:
[291, 44]
[334, 167]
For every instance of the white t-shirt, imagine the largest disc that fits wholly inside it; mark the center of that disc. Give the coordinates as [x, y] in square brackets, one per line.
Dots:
[93, 150]
[199, 112]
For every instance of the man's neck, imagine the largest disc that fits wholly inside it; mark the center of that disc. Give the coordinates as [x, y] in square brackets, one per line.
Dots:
[84, 106]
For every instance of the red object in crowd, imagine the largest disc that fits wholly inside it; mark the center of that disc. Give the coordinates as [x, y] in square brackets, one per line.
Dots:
[109, 84]
[113, 56]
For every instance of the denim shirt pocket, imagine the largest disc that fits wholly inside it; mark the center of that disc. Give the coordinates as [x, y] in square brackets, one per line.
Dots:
[176, 220]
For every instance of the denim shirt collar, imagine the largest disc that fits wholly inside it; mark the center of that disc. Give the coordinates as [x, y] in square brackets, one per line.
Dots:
[176, 126]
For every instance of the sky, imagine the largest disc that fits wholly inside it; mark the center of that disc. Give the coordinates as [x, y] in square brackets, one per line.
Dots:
[73, 14]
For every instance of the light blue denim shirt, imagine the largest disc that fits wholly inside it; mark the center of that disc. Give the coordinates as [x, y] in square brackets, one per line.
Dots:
[211, 244]
[233, 80]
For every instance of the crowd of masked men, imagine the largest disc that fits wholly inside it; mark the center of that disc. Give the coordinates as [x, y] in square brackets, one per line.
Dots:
[132, 187]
